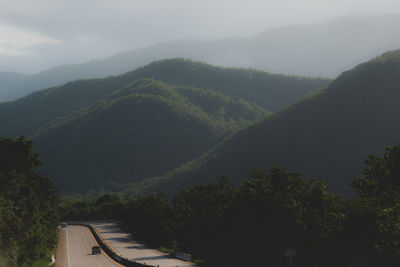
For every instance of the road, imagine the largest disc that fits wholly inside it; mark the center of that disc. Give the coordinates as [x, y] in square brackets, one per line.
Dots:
[128, 248]
[75, 247]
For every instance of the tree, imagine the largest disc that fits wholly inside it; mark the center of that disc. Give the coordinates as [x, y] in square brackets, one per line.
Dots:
[28, 204]
[200, 212]
[148, 217]
[381, 180]
[379, 190]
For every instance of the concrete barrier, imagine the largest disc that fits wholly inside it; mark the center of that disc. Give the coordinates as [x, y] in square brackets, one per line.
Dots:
[184, 256]
[107, 249]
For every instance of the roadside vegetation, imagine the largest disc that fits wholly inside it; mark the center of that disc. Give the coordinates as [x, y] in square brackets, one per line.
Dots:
[254, 223]
[28, 207]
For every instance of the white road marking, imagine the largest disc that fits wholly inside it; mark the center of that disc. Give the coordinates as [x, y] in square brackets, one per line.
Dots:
[69, 265]
[83, 249]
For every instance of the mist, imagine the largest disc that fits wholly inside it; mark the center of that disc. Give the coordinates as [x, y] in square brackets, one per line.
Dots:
[38, 35]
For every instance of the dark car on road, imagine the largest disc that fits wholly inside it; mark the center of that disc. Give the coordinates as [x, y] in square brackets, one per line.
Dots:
[96, 250]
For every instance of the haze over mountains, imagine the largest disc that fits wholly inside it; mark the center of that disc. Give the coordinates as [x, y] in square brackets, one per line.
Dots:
[326, 136]
[179, 109]
[324, 49]
[241, 132]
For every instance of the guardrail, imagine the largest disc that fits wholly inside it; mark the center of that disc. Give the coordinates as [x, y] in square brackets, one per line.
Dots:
[109, 250]
[183, 256]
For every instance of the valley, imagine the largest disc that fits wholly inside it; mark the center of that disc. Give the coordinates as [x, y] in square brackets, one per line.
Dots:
[199, 133]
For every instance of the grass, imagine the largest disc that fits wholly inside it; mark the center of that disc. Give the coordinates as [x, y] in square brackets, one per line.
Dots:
[43, 263]
[166, 250]
[199, 261]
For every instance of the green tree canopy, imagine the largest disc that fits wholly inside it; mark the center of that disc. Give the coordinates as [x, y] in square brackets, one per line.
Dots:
[28, 205]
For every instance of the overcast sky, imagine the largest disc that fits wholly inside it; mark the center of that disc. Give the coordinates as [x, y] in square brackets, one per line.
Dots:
[38, 34]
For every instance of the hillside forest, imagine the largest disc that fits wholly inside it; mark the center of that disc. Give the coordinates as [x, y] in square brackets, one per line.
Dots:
[325, 135]
[92, 134]
[225, 224]
[234, 166]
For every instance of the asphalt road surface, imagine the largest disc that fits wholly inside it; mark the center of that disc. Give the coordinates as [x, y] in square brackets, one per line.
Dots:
[128, 248]
[75, 248]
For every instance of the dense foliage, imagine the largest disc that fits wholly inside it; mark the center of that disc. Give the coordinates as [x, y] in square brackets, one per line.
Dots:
[270, 91]
[134, 127]
[253, 224]
[326, 135]
[28, 206]
[142, 130]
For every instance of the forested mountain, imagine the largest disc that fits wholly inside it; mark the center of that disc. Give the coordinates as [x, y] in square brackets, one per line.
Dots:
[271, 91]
[311, 50]
[324, 136]
[142, 130]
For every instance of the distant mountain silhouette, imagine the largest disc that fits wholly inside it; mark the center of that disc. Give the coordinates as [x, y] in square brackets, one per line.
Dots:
[323, 49]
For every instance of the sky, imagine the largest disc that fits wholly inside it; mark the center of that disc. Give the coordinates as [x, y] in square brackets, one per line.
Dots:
[37, 35]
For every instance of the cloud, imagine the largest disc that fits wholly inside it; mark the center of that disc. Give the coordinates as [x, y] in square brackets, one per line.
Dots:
[155, 20]
[100, 28]
[16, 41]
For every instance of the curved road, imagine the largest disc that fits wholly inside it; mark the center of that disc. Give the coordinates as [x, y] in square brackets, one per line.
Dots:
[75, 248]
[124, 245]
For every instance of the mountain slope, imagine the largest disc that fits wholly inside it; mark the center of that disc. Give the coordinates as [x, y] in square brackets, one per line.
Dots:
[309, 50]
[326, 136]
[8, 82]
[143, 130]
[271, 91]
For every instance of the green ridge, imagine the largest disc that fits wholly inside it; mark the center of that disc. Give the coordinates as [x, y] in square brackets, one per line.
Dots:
[324, 136]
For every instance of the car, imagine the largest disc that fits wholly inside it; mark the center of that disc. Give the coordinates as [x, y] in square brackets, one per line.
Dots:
[96, 250]
[64, 225]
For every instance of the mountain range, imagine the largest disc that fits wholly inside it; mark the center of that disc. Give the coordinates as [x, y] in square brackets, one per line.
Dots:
[324, 49]
[145, 122]
[176, 123]
[326, 136]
